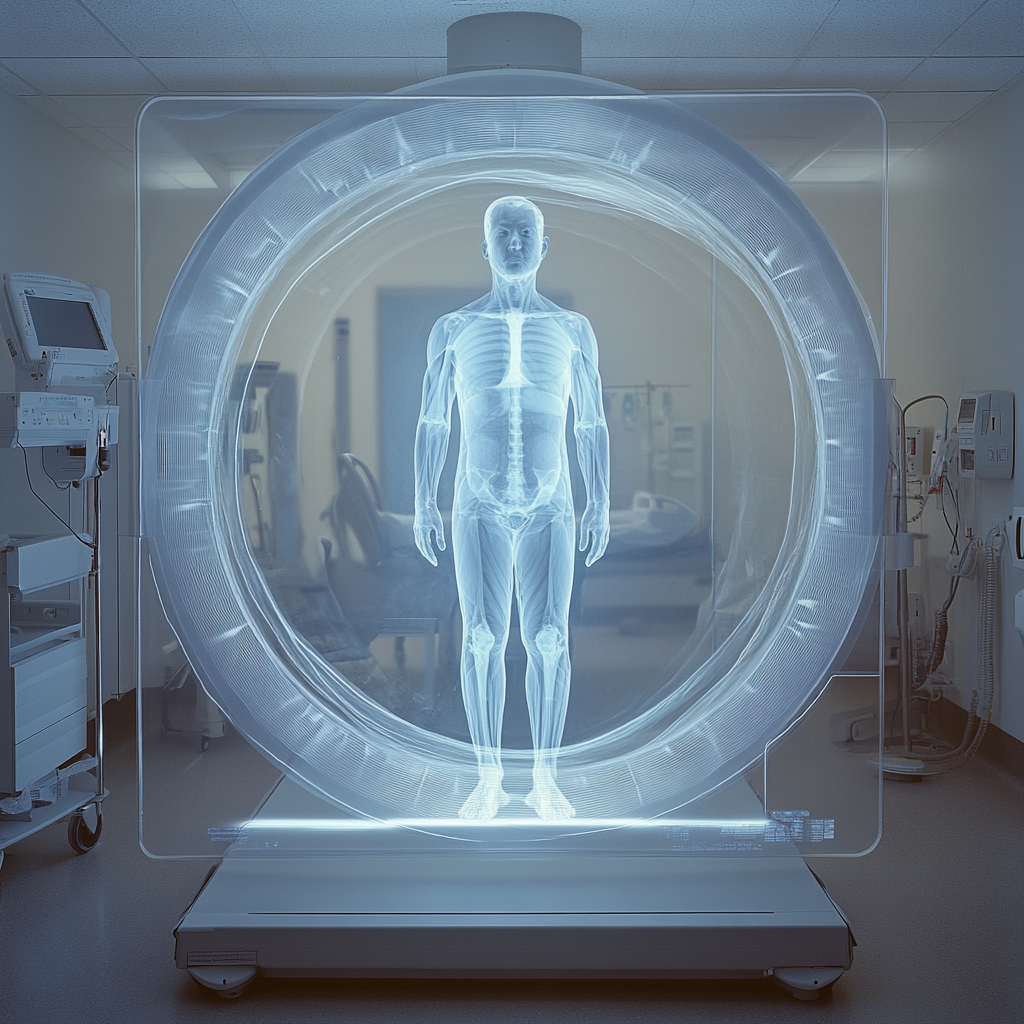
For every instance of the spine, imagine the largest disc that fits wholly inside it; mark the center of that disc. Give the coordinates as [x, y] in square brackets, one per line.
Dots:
[516, 478]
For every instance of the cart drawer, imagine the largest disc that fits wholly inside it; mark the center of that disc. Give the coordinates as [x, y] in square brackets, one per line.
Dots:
[40, 754]
[50, 711]
[48, 687]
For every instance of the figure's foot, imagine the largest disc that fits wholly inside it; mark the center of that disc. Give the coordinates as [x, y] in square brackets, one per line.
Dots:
[485, 801]
[548, 800]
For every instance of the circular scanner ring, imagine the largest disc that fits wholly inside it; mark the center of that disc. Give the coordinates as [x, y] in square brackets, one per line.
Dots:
[643, 155]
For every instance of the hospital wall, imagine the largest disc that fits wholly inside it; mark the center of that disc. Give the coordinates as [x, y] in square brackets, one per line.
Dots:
[955, 306]
[67, 210]
[956, 324]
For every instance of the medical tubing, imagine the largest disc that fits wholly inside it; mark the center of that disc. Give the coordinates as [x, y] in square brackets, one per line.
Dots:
[976, 725]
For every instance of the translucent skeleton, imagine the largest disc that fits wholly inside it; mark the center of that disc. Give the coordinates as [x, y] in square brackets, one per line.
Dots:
[514, 360]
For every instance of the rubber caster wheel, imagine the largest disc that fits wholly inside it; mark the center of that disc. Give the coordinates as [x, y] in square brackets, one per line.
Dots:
[204, 744]
[227, 982]
[84, 829]
[807, 983]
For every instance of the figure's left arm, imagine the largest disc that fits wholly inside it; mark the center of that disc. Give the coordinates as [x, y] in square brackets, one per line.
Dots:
[591, 440]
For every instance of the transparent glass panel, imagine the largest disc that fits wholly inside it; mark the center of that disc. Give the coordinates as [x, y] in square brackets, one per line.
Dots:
[302, 665]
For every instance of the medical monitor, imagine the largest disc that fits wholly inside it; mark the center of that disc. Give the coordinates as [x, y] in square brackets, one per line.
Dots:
[57, 330]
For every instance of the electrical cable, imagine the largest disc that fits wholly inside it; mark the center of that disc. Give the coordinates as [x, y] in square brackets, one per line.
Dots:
[979, 711]
[925, 398]
[28, 476]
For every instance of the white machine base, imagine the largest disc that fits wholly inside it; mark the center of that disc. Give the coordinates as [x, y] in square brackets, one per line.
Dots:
[390, 912]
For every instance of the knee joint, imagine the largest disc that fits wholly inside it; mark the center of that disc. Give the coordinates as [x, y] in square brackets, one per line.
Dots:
[550, 640]
[481, 640]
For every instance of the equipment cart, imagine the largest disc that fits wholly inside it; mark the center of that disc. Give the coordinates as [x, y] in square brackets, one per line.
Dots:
[44, 703]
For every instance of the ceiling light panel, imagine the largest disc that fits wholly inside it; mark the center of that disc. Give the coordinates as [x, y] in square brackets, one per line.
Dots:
[66, 75]
[186, 28]
[997, 30]
[897, 28]
[740, 28]
[331, 28]
[54, 28]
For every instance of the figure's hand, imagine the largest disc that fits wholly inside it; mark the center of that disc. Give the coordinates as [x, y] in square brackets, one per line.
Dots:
[594, 531]
[426, 521]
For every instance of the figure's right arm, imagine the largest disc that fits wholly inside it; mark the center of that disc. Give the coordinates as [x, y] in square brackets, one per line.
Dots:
[432, 433]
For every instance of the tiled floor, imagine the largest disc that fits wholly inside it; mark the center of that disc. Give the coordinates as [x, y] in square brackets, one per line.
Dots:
[937, 908]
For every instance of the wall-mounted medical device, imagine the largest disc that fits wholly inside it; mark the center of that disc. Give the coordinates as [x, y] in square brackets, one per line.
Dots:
[58, 333]
[984, 427]
[1016, 536]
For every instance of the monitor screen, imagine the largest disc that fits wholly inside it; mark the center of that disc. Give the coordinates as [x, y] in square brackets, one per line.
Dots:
[62, 323]
[967, 410]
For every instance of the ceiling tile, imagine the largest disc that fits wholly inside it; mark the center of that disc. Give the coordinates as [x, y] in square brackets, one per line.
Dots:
[344, 74]
[122, 157]
[652, 28]
[330, 28]
[104, 143]
[68, 75]
[686, 73]
[963, 73]
[214, 74]
[914, 134]
[124, 137]
[889, 28]
[751, 28]
[869, 74]
[10, 82]
[53, 110]
[192, 28]
[102, 111]
[54, 28]
[997, 30]
[634, 72]
[930, 106]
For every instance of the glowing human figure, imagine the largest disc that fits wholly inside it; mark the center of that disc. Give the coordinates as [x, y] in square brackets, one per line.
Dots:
[513, 359]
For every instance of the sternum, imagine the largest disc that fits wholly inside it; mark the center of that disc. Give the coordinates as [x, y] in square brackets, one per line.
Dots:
[514, 375]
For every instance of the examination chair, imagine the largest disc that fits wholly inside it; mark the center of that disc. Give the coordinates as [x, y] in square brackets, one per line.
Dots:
[384, 585]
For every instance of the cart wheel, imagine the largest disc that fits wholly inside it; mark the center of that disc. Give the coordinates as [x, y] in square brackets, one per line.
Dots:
[81, 837]
[204, 743]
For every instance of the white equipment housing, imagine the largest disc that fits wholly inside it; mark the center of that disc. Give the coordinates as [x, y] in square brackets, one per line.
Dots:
[984, 428]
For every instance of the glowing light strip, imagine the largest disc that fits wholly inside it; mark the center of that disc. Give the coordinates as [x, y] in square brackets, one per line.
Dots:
[424, 824]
